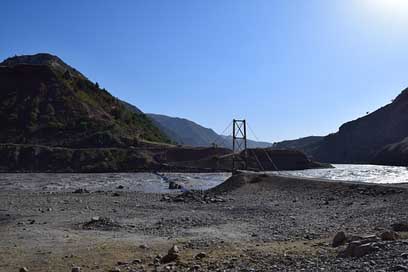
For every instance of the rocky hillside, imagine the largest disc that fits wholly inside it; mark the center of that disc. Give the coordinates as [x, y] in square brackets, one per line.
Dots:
[44, 101]
[306, 144]
[186, 132]
[393, 154]
[359, 141]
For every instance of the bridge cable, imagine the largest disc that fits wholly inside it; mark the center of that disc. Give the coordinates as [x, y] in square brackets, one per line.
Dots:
[266, 152]
[221, 136]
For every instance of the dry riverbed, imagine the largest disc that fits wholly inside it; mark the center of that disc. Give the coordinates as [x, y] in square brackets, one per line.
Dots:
[249, 223]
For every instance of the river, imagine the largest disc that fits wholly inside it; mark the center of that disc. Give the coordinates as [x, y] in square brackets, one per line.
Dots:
[150, 182]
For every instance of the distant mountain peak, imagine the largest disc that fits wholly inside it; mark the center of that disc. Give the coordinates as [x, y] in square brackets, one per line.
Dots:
[52, 61]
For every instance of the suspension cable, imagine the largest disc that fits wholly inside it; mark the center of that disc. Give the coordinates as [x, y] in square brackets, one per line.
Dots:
[266, 152]
[221, 136]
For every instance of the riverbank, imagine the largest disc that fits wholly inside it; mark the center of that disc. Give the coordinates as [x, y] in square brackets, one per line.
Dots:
[251, 221]
[147, 157]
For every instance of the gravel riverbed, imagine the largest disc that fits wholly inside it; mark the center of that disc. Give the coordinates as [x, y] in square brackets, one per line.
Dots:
[250, 222]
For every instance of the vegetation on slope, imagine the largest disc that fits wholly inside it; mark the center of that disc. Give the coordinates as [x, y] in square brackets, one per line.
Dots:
[45, 101]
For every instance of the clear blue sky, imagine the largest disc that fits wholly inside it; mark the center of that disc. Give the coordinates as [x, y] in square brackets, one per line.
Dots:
[292, 68]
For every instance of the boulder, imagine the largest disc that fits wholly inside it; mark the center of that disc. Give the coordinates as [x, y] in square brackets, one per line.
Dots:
[401, 226]
[358, 249]
[174, 186]
[172, 255]
[201, 255]
[81, 191]
[389, 236]
[339, 239]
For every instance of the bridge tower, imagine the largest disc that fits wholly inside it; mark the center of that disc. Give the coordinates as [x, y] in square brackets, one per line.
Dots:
[239, 144]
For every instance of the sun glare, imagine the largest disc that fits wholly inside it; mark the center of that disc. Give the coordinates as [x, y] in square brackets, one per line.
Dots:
[390, 13]
[389, 7]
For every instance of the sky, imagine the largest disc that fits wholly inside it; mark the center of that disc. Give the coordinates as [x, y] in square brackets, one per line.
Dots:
[292, 68]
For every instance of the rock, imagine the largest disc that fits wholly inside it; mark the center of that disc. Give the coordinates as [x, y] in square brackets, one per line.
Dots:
[173, 250]
[165, 198]
[389, 236]
[358, 249]
[120, 187]
[116, 269]
[339, 239]
[172, 255]
[364, 249]
[116, 194]
[404, 256]
[81, 191]
[136, 261]
[402, 226]
[143, 246]
[23, 269]
[399, 268]
[76, 269]
[101, 223]
[200, 255]
[174, 186]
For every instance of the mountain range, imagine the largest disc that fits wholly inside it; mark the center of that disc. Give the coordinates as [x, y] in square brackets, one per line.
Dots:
[45, 102]
[186, 132]
[53, 118]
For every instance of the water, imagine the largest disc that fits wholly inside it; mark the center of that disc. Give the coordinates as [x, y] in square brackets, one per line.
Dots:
[353, 172]
[69, 182]
[149, 182]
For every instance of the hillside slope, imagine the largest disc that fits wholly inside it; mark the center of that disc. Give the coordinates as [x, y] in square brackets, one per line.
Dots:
[393, 154]
[306, 144]
[186, 132]
[45, 101]
[360, 140]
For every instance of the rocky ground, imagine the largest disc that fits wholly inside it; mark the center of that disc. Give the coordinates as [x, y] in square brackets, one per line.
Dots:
[249, 223]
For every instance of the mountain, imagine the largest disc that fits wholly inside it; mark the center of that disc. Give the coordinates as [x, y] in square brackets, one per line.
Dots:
[183, 131]
[131, 107]
[54, 119]
[44, 101]
[186, 132]
[393, 154]
[361, 140]
[306, 144]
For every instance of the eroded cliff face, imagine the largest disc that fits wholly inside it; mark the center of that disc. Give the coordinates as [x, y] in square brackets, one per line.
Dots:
[360, 140]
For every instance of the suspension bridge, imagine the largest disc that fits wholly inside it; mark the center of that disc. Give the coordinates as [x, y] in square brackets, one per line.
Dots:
[241, 153]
